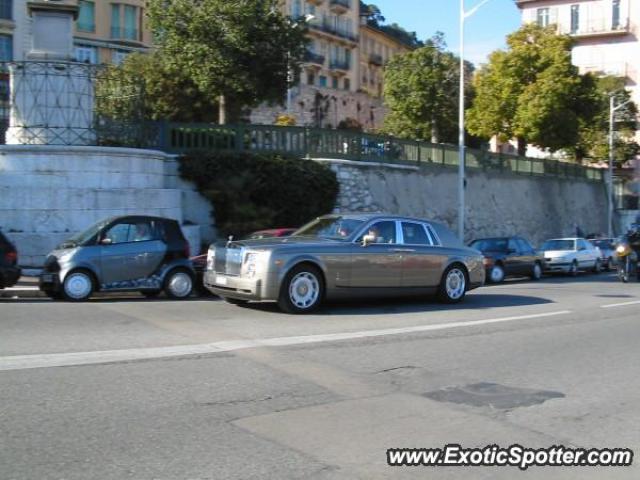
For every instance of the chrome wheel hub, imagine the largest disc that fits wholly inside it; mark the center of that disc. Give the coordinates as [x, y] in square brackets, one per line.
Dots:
[180, 285]
[304, 290]
[497, 274]
[456, 284]
[78, 285]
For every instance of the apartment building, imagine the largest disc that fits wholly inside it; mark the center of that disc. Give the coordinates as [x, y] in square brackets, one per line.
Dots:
[341, 77]
[605, 34]
[105, 31]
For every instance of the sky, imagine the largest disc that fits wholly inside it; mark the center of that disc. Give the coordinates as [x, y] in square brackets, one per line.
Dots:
[484, 32]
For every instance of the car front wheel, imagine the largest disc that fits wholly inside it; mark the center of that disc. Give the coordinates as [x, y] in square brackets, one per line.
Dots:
[302, 290]
[178, 284]
[536, 272]
[573, 269]
[77, 286]
[496, 275]
[453, 286]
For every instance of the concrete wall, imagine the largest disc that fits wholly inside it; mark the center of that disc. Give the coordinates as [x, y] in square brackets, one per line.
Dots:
[537, 208]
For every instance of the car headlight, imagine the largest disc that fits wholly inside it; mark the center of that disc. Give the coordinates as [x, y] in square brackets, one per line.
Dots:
[252, 262]
[622, 250]
[211, 258]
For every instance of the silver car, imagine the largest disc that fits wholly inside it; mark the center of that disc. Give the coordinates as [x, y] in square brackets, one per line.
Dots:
[345, 256]
[130, 253]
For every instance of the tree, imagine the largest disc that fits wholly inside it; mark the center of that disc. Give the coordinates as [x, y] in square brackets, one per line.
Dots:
[376, 20]
[532, 92]
[421, 91]
[594, 136]
[239, 52]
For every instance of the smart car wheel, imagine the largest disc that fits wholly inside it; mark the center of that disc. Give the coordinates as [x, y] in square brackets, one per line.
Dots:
[496, 275]
[178, 284]
[302, 290]
[453, 286]
[77, 286]
[536, 272]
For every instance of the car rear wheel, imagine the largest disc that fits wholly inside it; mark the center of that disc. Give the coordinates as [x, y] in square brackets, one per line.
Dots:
[453, 286]
[597, 267]
[178, 284]
[302, 290]
[78, 286]
[536, 272]
[573, 269]
[496, 275]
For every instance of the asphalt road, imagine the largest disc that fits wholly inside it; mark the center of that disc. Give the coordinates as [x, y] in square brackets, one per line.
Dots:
[122, 388]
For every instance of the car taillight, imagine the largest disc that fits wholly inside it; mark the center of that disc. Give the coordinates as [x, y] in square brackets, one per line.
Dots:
[11, 258]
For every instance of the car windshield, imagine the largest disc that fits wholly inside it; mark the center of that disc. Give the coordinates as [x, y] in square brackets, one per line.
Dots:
[603, 244]
[558, 245]
[84, 236]
[337, 228]
[490, 245]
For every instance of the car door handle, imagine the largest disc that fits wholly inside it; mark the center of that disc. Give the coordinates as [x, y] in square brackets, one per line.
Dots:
[404, 250]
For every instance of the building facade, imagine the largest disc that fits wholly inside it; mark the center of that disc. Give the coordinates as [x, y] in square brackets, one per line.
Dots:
[341, 77]
[105, 31]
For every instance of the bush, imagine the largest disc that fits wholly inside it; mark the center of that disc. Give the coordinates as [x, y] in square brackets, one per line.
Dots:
[258, 191]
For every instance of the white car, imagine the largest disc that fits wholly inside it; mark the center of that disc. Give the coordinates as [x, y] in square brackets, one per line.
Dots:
[568, 255]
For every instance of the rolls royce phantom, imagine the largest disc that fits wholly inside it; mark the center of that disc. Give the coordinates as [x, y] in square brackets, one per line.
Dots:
[345, 256]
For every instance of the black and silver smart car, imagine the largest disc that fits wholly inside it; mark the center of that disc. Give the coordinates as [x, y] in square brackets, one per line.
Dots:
[129, 253]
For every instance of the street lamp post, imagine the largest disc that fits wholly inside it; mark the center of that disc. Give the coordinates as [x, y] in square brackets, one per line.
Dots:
[613, 108]
[461, 127]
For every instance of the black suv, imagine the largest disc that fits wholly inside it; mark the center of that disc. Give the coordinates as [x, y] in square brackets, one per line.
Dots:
[9, 270]
[509, 257]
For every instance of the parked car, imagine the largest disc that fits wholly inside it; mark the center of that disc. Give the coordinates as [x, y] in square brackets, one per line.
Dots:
[509, 257]
[345, 256]
[9, 270]
[607, 251]
[275, 232]
[568, 255]
[128, 253]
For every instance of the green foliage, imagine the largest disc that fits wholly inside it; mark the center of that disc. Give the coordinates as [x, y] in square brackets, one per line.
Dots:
[253, 192]
[376, 20]
[239, 50]
[421, 91]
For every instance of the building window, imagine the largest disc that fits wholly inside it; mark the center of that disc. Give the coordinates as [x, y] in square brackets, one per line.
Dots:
[130, 22]
[311, 78]
[334, 82]
[575, 18]
[615, 21]
[86, 16]
[118, 56]
[323, 81]
[347, 84]
[6, 48]
[543, 17]
[86, 54]
[127, 29]
[115, 21]
[6, 9]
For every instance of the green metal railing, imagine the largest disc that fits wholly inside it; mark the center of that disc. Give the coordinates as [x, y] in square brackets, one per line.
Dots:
[340, 144]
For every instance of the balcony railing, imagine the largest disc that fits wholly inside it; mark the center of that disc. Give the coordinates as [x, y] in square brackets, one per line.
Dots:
[333, 30]
[315, 58]
[340, 6]
[376, 59]
[343, 65]
[597, 27]
[123, 33]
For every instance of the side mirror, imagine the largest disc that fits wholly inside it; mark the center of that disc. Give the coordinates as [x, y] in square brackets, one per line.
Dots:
[106, 241]
[368, 240]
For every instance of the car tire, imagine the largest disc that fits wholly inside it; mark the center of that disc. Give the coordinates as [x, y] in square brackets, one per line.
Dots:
[150, 293]
[573, 269]
[453, 286]
[302, 290]
[235, 301]
[496, 274]
[178, 284]
[597, 267]
[536, 271]
[78, 286]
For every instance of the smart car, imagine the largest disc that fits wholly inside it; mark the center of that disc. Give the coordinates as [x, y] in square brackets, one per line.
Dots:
[128, 253]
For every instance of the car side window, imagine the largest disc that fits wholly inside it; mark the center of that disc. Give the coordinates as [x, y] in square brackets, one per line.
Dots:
[513, 246]
[384, 232]
[415, 234]
[130, 232]
[524, 245]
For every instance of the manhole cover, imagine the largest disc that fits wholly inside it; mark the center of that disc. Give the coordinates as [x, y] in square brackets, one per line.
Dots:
[493, 395]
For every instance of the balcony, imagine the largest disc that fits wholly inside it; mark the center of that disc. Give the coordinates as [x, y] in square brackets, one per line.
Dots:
[615, 69]
[340, 6]
[316, 2]
[597, 28]
[314, 58]
[328, 28]
[120, 33]
[376, 59]
[340, 66]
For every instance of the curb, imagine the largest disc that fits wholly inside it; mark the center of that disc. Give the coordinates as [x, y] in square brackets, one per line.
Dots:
[21, 292]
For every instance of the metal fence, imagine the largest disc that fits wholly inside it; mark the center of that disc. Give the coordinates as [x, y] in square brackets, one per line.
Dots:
[338, 144]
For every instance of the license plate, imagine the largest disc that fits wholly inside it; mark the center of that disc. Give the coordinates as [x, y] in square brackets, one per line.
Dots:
[47, 278]
[221, 280]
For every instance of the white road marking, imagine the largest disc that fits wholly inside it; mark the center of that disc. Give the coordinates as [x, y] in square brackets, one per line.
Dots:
[625, 304]
[23, 362]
